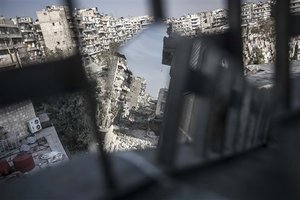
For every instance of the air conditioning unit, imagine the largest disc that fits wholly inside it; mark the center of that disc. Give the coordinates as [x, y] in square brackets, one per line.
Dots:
[34, 125]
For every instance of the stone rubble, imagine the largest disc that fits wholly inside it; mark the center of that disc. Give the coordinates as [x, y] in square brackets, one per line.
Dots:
[122, 140]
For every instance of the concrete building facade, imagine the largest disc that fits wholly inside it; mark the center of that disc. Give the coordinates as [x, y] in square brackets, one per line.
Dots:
[56, 28]
[137, 91]
[39, 37]
[11, 44]
[30, 36]
[99, 33]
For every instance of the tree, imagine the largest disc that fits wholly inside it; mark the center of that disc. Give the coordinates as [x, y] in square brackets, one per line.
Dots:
[113, 47]
[69, 116]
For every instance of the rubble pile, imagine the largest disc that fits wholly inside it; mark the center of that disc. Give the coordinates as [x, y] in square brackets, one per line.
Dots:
[117, 139]
[110, 81]
[124, 109]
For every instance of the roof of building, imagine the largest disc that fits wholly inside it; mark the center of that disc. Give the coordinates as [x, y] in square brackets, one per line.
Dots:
[45, 147]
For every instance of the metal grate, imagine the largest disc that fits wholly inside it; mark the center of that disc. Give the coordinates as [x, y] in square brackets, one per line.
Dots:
[226, 131]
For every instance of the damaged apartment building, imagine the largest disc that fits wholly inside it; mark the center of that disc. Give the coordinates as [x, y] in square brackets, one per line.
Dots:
[57, 30]
[118, 92]
[257, 30]
[100, 36]
[31, 38]
[137, 95]
[99, 33]
[11, 45]
[21, 42]
[112, 80]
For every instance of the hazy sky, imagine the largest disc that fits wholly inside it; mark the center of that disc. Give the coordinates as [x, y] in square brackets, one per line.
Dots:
[143, 53]
[175, 8]
[117, 7]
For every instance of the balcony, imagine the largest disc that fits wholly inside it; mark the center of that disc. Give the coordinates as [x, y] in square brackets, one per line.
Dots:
[3, 46]
[26, 31]
[32, 49]
[11, 35]
[7, 62]
[89, 30]
[30, 39]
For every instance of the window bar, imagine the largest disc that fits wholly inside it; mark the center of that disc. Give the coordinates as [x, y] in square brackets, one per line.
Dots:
[168, 141]
[235, 32]
[158, 10]
[105, 163]
[282, 84]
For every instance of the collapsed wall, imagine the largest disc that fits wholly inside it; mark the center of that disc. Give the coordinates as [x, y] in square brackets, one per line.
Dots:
[110, 81]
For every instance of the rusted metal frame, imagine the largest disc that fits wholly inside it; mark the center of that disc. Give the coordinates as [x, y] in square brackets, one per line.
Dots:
[168, 142]
[282, 65]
